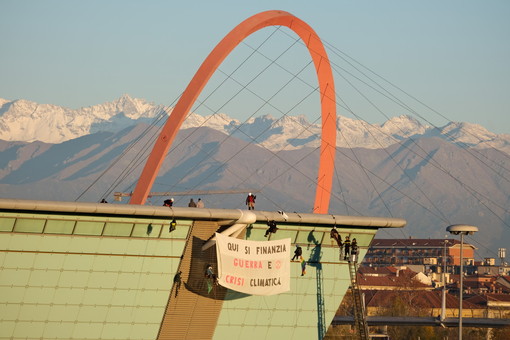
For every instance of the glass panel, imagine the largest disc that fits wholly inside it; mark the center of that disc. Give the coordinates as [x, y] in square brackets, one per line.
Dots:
[88, 228]
[25, 225]
[363, 240]
[117, 229]
[255, 234]
[181, 230]
[141, 229]
[6, 223]
[59, 227]
[282, 234]
[310, 237]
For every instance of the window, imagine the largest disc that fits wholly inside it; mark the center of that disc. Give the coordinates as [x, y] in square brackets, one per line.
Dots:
[89, 228]
[25, 225]
[59, 227]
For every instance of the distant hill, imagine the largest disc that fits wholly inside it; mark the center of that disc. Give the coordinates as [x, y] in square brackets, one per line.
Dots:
[400, 169]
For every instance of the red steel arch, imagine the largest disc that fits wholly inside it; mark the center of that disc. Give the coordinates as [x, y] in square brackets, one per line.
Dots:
[207, 69]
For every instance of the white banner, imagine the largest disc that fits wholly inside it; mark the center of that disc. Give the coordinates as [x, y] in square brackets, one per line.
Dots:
[253, 267]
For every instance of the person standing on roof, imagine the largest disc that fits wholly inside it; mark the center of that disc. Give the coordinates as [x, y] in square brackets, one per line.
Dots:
[200, 203]
[250, 201]
[192, 204]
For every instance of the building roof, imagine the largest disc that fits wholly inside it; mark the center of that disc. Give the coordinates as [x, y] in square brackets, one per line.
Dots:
[392, 280]
[375, 271]
[199, 214]
[498, 297]
[489, 286]
[480, 278]
[482, 300]
[480, 282]
[422, 299]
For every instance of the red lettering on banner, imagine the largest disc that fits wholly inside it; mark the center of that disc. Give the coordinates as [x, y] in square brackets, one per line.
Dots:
[247, 264]
[238, 281]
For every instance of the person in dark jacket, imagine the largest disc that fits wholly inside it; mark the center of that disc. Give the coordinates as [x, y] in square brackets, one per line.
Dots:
[347, 248]
[192, 204]
[354, 250]
[297, 252]
[336, 236]
[272, 228]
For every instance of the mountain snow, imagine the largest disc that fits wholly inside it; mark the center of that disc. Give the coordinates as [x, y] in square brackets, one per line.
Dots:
[22, 120]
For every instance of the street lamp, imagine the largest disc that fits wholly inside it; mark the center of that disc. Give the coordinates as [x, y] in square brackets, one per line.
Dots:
[461, 229]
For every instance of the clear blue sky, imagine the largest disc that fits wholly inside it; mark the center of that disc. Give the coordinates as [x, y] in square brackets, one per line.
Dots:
[453, 55]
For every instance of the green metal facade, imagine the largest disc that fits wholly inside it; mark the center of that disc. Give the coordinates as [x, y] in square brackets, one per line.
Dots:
[85, 277]
[76, 276]
[295, 314]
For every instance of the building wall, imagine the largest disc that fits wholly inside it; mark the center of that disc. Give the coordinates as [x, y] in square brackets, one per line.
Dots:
[467, 254]
[450, 312]
[295, 314]
[60, 279]
[89, 277]
[418, 255]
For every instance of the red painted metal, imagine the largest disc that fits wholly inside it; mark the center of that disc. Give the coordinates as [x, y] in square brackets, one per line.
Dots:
[207, 69]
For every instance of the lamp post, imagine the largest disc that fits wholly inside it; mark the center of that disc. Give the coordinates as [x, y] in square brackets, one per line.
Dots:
[443, 297]
[461, 229]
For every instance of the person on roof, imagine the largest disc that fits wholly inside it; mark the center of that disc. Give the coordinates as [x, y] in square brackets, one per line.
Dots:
[177, 282]
[347, 248]
[272, 228]
[297, 253]
[336, 236]
[354, 250]
[168, 202]
[192, 204]
[250, 201]
[303, 265]
[200, 203]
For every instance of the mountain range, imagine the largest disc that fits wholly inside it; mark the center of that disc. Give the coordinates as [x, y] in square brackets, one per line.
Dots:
[430, 176]
[22, 120]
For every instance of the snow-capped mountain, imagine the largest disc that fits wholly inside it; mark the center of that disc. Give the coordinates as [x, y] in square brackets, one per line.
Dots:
[22, 120]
